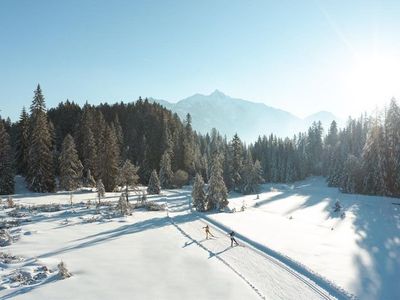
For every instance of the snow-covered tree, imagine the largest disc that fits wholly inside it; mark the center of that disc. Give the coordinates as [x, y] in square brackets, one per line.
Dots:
[166, 174]
[6, 163]
[352, 175]
[70, 165]
[109, 159]
[123, 206]
[87, 142]
[128, 177]
[188, 148]
[198, 193]
[392, 127]
[40, 160]
[100, 190]
[22, 143]
[154, 184]
[217, 196]
[236, 162]
[251, 176]
[374, 160]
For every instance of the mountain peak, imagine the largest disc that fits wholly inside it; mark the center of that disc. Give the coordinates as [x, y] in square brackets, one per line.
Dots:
[217, 93]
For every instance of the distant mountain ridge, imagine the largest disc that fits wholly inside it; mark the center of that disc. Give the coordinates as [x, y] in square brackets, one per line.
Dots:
[246, 118]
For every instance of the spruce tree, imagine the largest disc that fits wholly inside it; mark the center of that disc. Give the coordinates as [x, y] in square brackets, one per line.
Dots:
[217, 196]
[237, 162]
[188, 148]
[392, 125]
[154, 184]
[87, 142]
[166, 174]
[198, 194]
[70, 165]
[22, 147]
[251, 176]
[40, 160]
[108, 165]
[6, 163]
[374, 161]
[128, 177]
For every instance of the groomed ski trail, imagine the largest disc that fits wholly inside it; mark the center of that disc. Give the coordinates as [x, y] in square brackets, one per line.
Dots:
[269, 278]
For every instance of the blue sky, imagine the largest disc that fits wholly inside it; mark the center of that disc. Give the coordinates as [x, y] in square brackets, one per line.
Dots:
[301, 56]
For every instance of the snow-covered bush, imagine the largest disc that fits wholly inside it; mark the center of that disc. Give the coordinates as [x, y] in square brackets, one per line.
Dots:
[152, 206]
[63, 271]
[243, 207]
[7, 258]
[123, 206]
[5, 238]
[10, 202]
[52, 207]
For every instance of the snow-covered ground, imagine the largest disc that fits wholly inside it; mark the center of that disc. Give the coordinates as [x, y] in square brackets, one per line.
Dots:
[293, 246]
[360, 252]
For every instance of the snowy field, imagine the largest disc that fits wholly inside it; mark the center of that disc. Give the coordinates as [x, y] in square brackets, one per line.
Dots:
[294, 246]
[358, 251]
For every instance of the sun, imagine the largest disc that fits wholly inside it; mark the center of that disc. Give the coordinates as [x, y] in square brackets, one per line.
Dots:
[373, 79]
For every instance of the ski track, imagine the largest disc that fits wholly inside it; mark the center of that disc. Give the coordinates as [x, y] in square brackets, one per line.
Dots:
[268, 277]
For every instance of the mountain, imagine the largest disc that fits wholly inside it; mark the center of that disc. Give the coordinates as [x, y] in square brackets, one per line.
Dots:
[248, 119]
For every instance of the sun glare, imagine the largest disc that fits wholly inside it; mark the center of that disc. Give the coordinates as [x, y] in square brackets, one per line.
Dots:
[373, 80]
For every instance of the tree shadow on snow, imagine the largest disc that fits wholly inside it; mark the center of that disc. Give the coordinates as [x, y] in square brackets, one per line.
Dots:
[377, 224]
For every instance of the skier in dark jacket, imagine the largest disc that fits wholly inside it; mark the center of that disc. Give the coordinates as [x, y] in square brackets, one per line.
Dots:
[232, 235]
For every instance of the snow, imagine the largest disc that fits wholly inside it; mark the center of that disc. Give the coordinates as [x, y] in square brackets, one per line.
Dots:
[138, 256]
[293, 246]
[359, 253]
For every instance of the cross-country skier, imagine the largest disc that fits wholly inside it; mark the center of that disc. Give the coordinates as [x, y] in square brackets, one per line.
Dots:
[208, 232]
[232, 235]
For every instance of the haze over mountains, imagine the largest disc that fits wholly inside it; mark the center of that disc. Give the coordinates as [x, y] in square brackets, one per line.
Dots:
[249, 119]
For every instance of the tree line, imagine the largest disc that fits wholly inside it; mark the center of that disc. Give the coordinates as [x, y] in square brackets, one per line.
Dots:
[69, 146]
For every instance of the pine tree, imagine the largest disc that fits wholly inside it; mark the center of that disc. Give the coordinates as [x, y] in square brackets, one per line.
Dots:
[154, 184]
[217, 196]
[87, 142]
[145, 168]
[251, 176]
[6, 163]
[351, 175]
[198, 194]
[374, 162]
[188, 148]
[166, 174]
[108, 165]
[22, 147]
[128, 177]
[40, 160]
[237, 162]
[70, 165]
[392, 125]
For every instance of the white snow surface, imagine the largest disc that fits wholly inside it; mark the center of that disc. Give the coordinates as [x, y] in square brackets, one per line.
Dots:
[292, 246]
